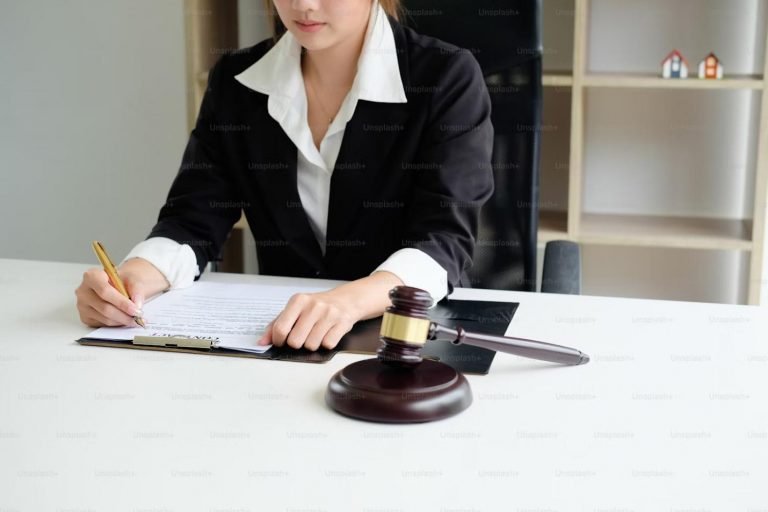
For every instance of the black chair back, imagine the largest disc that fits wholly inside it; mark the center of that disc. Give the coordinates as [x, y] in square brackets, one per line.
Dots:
[505, 38]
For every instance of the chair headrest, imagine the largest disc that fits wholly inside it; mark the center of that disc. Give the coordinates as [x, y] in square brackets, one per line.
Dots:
[499, 33]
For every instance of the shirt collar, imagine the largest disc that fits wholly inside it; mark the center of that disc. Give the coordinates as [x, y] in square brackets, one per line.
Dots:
[278, 71]
[278, 74]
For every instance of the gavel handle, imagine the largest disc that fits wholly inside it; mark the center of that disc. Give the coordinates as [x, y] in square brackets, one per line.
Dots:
[518, 346]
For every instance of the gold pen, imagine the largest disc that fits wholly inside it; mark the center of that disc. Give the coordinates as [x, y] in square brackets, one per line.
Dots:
[111, 271]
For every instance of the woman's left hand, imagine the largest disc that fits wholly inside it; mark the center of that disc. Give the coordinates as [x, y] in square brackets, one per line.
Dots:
[311, 320]
[314, 320]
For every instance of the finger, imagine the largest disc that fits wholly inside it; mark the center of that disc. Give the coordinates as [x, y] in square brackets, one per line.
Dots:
[90, 321]
[304, 325]
[107, 310]
[266, 338]
[82, 294]
[315, 337]
[137, 295]
[109, 294]
[287, 318]
[83, 309]
[102, 319]
[88, 318]
[333, 337]
[281, 327]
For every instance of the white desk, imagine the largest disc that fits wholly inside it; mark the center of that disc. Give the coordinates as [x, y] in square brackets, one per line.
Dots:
[671, 414]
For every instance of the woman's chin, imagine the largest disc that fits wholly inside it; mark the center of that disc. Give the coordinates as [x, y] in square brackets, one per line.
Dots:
[313, 42]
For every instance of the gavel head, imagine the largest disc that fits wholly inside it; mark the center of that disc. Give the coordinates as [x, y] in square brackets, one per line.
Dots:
[405, 327]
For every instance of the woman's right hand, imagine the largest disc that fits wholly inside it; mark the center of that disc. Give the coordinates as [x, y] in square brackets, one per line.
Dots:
[100, 304]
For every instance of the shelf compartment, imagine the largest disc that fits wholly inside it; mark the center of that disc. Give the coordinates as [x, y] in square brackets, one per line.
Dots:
[665, 231]
[687, 154]
[645, 81]
[667, 274]
[553, 225]
[557, 28]
[634, 36]
[555, 151]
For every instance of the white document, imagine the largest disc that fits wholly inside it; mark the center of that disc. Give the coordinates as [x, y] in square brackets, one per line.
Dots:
[233, 316]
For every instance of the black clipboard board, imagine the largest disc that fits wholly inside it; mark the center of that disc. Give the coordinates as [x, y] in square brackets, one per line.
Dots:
[473, 315]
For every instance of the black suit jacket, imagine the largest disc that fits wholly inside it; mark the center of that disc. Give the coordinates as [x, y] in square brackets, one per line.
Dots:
[409, 174]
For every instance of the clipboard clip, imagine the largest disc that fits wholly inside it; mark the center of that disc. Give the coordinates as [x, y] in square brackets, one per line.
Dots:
[176, 341]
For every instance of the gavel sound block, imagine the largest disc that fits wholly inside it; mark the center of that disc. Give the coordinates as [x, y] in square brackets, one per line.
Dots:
[399, 386]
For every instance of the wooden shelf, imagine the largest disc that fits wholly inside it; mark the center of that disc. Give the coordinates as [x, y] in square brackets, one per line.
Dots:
[648, 81]
[553, 225]
[662, 231]
[557, 80]
[640, 231]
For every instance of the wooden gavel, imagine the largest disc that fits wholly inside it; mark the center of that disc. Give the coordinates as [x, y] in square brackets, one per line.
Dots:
[399, 386]
[405, 329]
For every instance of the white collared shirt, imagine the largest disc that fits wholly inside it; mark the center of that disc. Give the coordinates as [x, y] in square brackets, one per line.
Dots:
[278, 74]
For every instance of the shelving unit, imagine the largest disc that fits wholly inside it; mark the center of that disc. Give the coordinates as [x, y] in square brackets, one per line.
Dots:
[574, 220]
[570, 85]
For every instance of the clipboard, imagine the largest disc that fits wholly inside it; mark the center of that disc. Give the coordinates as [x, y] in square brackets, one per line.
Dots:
[479, 316]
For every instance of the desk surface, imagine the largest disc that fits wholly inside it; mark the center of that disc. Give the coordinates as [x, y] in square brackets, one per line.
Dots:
[671, 414]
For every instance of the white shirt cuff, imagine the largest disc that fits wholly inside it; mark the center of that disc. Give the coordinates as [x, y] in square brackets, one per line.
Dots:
[177, 262]
[416, 268]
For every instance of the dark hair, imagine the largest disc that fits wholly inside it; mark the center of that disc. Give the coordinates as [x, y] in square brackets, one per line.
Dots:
[391, 7]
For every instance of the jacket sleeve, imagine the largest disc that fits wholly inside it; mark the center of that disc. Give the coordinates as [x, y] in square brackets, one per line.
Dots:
[455, 176]
[203, 203]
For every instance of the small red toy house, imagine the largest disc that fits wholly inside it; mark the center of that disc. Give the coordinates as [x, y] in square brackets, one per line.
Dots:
[674, 66]
[710, 67]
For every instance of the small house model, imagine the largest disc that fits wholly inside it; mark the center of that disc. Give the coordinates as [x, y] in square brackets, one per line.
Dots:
[710, 67]
[674, 66]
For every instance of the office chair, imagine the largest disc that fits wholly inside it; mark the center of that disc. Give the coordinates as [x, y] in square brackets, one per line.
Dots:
[505, 38]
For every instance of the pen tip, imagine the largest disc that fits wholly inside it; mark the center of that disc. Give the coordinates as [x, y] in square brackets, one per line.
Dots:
[141, 322]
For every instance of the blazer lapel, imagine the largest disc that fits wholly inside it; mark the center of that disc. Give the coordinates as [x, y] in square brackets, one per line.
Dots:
[366, 147]
[366, 150]
[277, 180]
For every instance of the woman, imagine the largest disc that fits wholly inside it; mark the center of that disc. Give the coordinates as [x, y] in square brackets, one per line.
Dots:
[357, 148]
